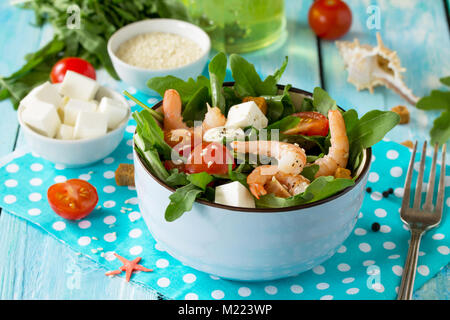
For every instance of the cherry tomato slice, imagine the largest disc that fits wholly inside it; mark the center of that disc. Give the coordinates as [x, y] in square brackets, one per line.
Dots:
[311, 124]
[330, 19]
[73, 199]
[182, 141]
[77, 65]
[212, 158]
[169, 165]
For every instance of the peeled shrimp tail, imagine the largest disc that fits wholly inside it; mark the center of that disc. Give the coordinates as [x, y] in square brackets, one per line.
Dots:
[213, 118]
[267, 178]
[172, 111]
[337, 156]
[291, 158]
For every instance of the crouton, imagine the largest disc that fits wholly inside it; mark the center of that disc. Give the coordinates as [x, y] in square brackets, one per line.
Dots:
[343, 173]
[125, 175]
[403, 112]
[408, 143]
[260, 102]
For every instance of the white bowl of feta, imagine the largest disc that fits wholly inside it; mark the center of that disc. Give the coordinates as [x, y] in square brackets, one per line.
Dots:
[75, 123]
[158, 47]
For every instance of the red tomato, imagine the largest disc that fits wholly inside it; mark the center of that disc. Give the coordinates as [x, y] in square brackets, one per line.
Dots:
[182, 141]
[311, 124]
[330, 19]
[212, 158]
[73, 199]
[169, 165]
[77, 65]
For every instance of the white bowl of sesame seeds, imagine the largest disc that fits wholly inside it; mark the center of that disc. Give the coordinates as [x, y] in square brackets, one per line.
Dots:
[156, 48]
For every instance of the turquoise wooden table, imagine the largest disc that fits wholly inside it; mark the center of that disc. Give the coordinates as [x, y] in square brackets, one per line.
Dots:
[34, 265]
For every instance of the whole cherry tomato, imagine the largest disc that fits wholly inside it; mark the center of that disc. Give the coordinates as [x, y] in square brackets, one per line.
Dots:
[73, 199]
[330, 19]
[210, 157]
[311, 124]
[77, 65]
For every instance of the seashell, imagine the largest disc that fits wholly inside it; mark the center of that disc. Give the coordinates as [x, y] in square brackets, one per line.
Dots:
[369, 67]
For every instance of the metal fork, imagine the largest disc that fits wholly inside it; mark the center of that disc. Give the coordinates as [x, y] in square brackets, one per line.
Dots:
[420, 220]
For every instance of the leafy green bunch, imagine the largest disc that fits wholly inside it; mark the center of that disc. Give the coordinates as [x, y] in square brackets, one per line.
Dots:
[195, 93]
[438, 100]
[99, 19]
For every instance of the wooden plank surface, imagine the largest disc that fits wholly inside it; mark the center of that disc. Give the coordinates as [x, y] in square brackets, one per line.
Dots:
[29, 273]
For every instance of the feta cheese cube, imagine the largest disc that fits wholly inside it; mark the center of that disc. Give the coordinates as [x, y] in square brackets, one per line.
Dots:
[74, 107]
[90, 125]
[77, 86]
[42, 117]
[234, 194]
[115, 111]
[65, 132]
[46, 92]
[245, 115]
[218, 134]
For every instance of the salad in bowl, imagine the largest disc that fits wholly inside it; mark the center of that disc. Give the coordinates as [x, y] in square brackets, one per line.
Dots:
[249, 144]
[251, 180]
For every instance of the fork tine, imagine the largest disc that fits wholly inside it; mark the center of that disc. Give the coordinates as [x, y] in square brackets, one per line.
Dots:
[431, 180]
[441, 189]
[407, 187]
[418, 195]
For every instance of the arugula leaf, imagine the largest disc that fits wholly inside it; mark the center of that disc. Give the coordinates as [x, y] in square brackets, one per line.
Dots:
[307, 105]
[322, 101]
[279, 105]
[181, 201]
[247, 81]
[307, 142]
[284, 124]
[151, 156]
[151, 133]
[237, 175]
[367, 131]
[231, 98]
[445, 80]
[310, 171]
[201, 179]
[186, 89]
[440, 133]
[217, 70]
[438, 100]
[177, 178]
[196, 109]
[373, 126]
[325, 186]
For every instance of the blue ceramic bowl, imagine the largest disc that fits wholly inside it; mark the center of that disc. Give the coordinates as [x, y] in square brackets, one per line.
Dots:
[251, 244]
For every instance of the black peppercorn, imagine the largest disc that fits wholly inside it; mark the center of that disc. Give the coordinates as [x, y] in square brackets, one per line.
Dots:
[391, 191]
[385, 194]
[368, 189]
[375, 226]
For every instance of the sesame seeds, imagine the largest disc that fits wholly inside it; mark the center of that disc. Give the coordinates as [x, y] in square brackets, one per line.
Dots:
[159, 50]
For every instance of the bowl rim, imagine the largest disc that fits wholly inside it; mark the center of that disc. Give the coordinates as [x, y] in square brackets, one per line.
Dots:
[28, 129]
[363, 172]
[113, 55]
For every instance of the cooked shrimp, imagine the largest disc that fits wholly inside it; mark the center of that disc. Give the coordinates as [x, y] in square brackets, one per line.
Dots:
[172, 111]
[338, 153]
[213, 118]
[291, 158]
[260, 178]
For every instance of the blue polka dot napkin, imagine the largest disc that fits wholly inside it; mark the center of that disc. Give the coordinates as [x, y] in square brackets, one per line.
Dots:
[368, 265]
